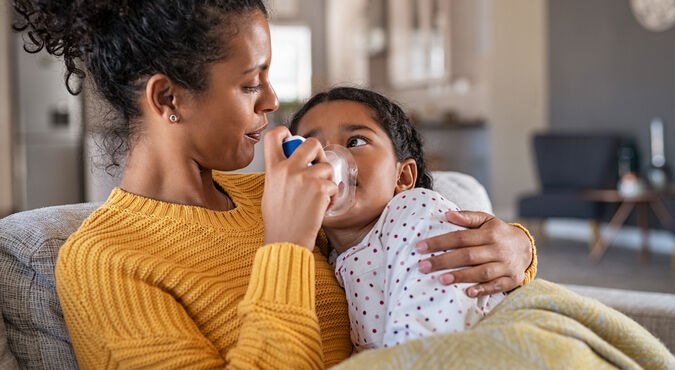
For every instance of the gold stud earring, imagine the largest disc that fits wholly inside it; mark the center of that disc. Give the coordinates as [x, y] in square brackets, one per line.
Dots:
[173, 118]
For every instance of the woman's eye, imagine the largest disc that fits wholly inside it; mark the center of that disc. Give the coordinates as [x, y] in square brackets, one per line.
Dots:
[356, 141]
[253, 89]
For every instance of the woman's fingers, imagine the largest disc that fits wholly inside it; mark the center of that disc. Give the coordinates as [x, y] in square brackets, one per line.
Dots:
[468, 219]
[272, 141]
[452, 240]
[321, 171]
[498, 285]
[476, 274]
[309, 151]
[296, 195]
[474, 235]
[457, 258]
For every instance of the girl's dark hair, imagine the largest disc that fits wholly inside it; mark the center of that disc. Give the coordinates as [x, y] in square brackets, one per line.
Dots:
[405, 139]
[121, 43]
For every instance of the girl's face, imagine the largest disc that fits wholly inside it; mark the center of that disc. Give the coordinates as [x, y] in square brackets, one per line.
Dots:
[223, 123]
[352, 125]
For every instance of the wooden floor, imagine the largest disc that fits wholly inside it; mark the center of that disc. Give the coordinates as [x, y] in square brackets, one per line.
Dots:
[564, 261]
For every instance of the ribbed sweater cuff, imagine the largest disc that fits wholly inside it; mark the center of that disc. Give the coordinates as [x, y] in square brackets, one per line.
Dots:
[531, 271]
[283, 273]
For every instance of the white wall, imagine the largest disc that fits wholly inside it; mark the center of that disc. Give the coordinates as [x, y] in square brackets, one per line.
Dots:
[346, 45]
[500, 47]
[468, 30]
[6, 204]
[517, 96]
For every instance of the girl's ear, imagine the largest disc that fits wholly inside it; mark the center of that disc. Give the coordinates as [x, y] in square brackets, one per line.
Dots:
[407, 175]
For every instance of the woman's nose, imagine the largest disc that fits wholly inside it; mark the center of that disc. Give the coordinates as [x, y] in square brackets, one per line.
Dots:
[268, 100]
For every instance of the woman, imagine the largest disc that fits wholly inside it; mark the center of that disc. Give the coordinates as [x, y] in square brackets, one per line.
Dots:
[187, 267]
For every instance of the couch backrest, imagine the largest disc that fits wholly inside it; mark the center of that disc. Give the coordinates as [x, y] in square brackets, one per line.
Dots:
[7, 359]
[29, 246]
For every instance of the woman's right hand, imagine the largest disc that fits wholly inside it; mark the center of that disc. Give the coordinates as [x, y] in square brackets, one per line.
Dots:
[296, 196]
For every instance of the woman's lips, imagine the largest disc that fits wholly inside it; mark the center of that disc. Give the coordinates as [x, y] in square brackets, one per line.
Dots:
[256, 135]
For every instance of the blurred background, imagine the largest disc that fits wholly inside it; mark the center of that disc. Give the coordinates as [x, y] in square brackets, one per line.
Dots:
[538, 99]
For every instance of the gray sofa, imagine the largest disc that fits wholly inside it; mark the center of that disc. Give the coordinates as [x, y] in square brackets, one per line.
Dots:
[35, 335]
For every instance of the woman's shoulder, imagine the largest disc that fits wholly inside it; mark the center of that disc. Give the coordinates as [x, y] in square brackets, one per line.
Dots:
[92, 241]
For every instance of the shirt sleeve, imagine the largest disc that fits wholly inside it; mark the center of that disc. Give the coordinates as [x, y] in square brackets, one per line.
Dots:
[278, 314]
[418, 304]
[531, 271]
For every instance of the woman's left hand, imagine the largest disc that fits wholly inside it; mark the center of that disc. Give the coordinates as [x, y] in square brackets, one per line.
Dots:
[495, 254]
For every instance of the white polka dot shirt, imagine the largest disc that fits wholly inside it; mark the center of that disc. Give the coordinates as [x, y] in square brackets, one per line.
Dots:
[390, 301]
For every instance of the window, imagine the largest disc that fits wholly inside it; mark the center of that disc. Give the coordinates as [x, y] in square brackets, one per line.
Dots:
[291, 72]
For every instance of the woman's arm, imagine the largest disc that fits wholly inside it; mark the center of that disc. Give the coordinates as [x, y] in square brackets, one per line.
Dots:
[279, 327]
[503, 256]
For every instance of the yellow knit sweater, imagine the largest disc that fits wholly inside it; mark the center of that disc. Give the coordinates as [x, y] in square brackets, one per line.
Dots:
[150, 284]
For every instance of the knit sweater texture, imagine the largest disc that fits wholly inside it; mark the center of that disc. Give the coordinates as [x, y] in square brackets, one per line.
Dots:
[149, 284]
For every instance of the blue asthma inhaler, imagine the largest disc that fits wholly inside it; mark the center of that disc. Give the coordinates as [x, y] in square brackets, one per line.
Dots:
[290, 144]
[344, 173]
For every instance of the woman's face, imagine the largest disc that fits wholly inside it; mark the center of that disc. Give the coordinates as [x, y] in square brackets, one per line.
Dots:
[352, 125]
[223, 123]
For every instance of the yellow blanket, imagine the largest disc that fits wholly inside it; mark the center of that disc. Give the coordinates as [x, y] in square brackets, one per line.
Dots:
[541, 325]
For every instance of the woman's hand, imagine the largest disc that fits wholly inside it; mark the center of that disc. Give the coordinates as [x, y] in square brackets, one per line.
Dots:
[296, 196]
[494, 253]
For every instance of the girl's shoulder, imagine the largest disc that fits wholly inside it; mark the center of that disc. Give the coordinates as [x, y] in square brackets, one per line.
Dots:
[411, 209]
[420, 198]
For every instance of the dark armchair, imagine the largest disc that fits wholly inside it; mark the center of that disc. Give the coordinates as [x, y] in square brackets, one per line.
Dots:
[567, 163]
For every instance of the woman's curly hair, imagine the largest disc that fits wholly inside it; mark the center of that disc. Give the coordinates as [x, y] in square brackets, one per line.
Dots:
[403, 135]
[121, 43]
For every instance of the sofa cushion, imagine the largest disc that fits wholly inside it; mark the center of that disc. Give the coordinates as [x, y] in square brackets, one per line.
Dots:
[7, 360]
[29, 245]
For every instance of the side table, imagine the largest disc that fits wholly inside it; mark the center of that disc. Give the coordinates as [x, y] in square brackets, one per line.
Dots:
[642, 203]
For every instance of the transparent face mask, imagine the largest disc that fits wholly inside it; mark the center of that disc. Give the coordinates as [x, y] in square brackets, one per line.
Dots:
[344, 173]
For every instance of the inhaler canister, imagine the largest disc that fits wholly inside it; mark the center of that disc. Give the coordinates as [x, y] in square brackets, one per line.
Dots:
[344, 173]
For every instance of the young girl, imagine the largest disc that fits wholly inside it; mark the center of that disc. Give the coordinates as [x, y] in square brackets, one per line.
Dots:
[390, 300]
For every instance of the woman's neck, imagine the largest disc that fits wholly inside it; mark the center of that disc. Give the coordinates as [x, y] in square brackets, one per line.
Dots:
[161, 175]
[342, 239]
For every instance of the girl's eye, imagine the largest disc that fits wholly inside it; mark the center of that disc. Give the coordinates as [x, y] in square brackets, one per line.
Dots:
[356, 141]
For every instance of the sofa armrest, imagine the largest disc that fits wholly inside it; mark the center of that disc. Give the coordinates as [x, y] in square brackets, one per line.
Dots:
[654, 311]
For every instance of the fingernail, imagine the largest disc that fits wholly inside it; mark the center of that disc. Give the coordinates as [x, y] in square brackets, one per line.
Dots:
[424, 266]
[421, 247]
[472, 292]
[447, 279]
